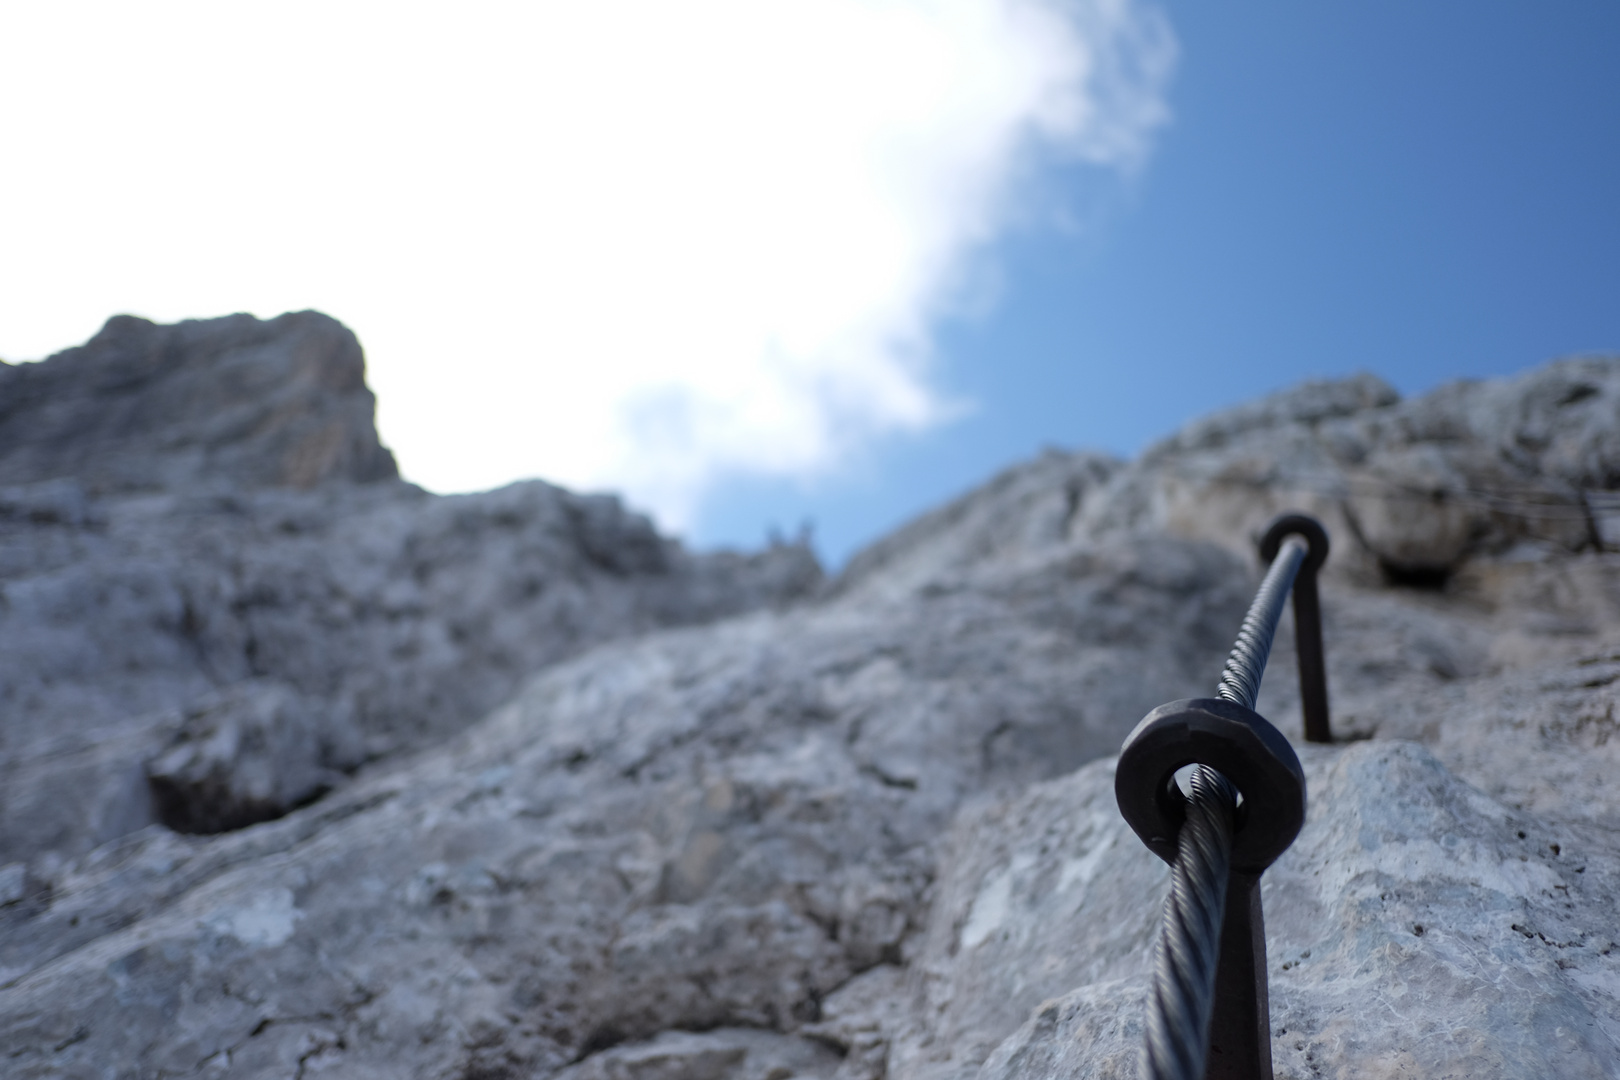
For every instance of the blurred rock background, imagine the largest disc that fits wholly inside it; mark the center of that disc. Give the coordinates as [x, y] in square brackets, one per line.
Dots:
[304, 769]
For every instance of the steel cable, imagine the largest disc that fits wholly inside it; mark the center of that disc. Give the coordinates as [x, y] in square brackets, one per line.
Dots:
[1240, 681]
[1189, 943]
[1187, 950]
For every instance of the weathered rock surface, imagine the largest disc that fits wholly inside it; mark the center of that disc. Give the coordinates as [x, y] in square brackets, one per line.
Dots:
[1420, 486]
[233, 400]
[1416, 928]
[722, 1054]
[249, 754]
[846, 838]
[713, 827]
[390, 616]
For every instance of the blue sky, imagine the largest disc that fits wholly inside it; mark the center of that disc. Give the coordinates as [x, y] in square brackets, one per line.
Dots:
[1427, 191]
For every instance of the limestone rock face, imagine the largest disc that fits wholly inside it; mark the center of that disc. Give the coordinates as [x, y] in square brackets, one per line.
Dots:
[232, 400]
[1415, 928]
[1417, 487]
[391, 617]
[248, 755]
[869, 833]
[713, 827]
[723, 1054]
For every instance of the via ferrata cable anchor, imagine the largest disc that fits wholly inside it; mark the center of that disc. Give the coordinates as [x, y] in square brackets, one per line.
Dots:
[1209, 1015]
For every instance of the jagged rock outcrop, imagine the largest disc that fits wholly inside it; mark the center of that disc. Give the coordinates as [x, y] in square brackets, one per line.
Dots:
[1420, 486]
[177, 565]
[847, 838]
[222, 401]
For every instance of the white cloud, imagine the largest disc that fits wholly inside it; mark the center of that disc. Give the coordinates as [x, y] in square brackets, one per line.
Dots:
[622, 243]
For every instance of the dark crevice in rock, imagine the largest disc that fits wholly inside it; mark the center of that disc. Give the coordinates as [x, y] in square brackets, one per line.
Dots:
[1421, 576]
[903, 783]
[1577, 392]
[602, 1038]
[208, 809]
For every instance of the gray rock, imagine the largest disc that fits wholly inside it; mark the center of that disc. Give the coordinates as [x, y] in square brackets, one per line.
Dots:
[1418, 487]
[250, 754]
[722, 1054]
[1416, 928]
[1307, 404]
[232, 400]
[1030, 507]
[177, 564]
[706, 828]
[13, 883]
[843, 837]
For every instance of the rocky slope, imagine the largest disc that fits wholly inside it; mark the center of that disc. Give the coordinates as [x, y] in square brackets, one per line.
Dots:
[217, 598]
[871, 832]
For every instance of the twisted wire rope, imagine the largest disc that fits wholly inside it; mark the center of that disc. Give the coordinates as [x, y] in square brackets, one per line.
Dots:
[1187, 950]
[1240, 681]
[1189, 943]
